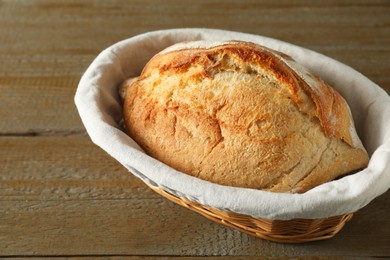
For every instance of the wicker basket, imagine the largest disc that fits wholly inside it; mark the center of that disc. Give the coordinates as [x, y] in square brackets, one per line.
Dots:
[287, 231]
[99, 107]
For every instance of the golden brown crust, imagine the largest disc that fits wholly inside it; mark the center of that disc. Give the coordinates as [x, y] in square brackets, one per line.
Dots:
[242, 115]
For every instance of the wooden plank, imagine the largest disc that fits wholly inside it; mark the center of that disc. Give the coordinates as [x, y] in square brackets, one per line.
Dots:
[93, 23]
[39, 105]
[101, 227]
[71, 198]
[45, 51]
[50, 165]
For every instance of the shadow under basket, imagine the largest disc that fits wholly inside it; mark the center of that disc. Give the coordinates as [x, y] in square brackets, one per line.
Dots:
[286, 231]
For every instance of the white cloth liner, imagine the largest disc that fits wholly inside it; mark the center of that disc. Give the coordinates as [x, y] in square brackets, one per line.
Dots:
[99, 106]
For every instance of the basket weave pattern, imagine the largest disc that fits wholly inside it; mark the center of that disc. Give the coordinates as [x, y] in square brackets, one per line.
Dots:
[287, 231]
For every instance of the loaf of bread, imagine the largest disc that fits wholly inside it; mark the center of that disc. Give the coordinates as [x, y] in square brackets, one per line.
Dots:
[239, 114]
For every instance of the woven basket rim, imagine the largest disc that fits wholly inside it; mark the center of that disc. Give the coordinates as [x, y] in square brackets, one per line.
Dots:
[286, 231]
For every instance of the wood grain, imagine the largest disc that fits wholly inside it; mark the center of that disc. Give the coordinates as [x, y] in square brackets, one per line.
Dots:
[45, 51]
[71, 198]
[61, 196]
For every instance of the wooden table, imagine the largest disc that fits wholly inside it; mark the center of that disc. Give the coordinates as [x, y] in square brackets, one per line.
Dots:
[62, 196]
